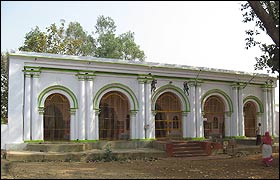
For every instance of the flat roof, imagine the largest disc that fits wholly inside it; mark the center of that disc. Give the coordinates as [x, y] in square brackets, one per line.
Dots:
[131, 62]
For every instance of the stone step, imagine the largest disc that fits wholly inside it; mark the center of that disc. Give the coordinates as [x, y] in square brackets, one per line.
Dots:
[190, 155]
[89, 155]
[187, 149]
[182, 148]
[191, 152]
[74, 147]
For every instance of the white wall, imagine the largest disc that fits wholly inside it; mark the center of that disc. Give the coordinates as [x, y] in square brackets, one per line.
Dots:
[68, 79]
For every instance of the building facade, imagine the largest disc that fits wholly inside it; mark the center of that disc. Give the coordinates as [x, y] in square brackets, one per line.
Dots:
[63, 98]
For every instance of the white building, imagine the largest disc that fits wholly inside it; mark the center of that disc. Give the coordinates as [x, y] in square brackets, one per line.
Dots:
[61, 97]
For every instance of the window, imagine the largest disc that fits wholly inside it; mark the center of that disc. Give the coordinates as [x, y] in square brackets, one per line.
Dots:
[215, 123]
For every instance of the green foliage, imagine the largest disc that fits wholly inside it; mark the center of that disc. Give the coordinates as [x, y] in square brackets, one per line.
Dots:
[73, 40]
[270, 57]
[35, 41]
[235, 137]
[108, 156]
[33, 141]
[4, 86]
[77, 42]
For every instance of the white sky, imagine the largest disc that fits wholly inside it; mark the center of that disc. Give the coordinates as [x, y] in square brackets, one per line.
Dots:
[205, 34]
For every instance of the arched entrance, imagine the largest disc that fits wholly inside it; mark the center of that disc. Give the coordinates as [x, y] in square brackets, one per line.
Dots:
[250, 116]
[214, 112]
[114, 117]
[168, 119]
[56, 118]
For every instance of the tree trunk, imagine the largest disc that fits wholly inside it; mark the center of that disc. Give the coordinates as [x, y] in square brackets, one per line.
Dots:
[267, 20]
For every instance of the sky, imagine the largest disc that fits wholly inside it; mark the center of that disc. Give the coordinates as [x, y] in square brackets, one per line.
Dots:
[195, 33]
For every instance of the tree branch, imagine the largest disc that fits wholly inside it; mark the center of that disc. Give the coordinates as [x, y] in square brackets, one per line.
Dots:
[267, 20]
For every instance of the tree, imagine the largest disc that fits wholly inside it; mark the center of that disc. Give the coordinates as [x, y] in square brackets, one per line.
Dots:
[35, 41]
[75, 41]
[130, 50]
[111, 46]
[4, 86]
[78, 42]
[265, 14]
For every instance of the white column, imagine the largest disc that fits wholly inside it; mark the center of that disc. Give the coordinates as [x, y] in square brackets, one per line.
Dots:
[240, 112]
[41, 126]
[234, 117]
[199, 120]
[90, 125]
[185, 124]
[141, 120]
[133, 124]
[96, 124]
[269, 103]
[260, 120]
[35, 112]
[82, 111]
[192, 122]
[77, 124]
[274, 131]
[150, 133]
[27, 111]
[72, 124]
[227, 124]
[265, 114]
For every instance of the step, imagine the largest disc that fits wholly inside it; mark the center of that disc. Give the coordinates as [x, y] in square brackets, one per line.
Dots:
[190, 155]
[93, 154]
[187, 149]
[33, 156]
[67, 147]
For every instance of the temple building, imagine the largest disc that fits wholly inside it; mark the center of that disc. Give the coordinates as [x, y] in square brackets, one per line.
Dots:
[68, 98]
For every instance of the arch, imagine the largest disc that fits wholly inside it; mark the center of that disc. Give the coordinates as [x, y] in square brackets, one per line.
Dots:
[226, 99]
[114, 117]
[250, 118]
[60, 90]
[133, 102]
[56, 118]
[256, 101]
[214, 112]
[168, 117]
[173, 89]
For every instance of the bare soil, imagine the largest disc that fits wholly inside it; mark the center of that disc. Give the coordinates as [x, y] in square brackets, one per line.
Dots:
[245, 167]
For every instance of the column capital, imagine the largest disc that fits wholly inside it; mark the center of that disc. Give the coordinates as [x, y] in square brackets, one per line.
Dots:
[97, 111]
[145, 79]
[41, 110]
[133, 112]
[238, 85]
[32, 71]
[228, 113]
[195, 82]
[259, 114]
[154, 112]
[185, 113]
[73, 111]
[86, 75]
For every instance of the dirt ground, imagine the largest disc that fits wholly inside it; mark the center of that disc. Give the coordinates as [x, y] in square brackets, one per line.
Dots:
[245, 167]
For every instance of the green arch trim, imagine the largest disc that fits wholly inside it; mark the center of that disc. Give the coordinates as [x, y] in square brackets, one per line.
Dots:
[183, 97]
[118, 86]
[58, 87]
[222, 93]
[259, 102]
